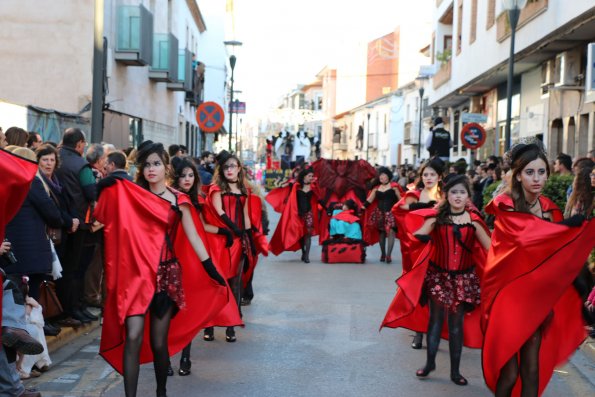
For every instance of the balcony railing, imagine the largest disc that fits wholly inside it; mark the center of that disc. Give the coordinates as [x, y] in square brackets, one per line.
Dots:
[164, 66]
[134, 45]
[531, 11]
[184, 82]
[443, 74]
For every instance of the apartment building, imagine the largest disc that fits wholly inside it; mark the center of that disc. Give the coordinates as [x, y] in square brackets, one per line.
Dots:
[154, 69]
[470, 47]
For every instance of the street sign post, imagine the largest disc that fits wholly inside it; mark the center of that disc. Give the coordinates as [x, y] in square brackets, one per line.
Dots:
[474, 118]
[210, 117]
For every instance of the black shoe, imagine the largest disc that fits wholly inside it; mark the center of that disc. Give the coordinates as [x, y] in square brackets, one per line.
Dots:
[382, 258]
[459, 379]
[209, 334]
[69, 322]
[78, 315]
[170, 370]
[245, 302]
[416, 344]
[21, 341]
[50, 330]
[185, 365]
[425, 371]
[306, 259]
[89, 315]
[230, 335]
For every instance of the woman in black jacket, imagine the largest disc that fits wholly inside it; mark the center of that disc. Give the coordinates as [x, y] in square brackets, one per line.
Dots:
[28, 236]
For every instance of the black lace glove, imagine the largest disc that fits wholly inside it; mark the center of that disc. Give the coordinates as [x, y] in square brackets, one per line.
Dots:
[574, 221]
[424, 238]
[251, 240]
[228, 236]
[419, 205]
[232, 226]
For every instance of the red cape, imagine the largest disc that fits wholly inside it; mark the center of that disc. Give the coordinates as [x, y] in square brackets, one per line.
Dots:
[405, 310]
[346, 216]
[407, 242]
[528, 275]
[278, 197]
[290, 228]
[370, 233]
[132, 256]
[17, 174]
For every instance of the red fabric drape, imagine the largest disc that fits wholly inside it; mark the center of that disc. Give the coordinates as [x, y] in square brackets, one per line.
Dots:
[290, 228]
[406, 241]
[136, 222]
[528, 277]
[278, 197]
[17, 174]
[405, 310]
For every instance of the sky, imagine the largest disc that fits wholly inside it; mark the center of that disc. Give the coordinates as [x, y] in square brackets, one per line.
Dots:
[286, 43]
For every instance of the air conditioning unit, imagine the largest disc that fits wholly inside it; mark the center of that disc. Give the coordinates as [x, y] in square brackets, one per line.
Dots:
[567, 68]
[548, 72]
[590, 67]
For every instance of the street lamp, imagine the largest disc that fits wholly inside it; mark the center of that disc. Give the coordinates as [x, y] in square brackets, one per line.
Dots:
[514, 8]
[420, 80]
[232, 64]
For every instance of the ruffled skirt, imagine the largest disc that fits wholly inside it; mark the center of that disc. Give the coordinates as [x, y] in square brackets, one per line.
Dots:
[453, 288]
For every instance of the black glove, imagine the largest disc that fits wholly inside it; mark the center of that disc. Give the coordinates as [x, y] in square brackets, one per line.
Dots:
[574, 221]
[108, 181]
[419, 205]
[251, 240]
[366, 204]
[211, 270]
[424, 238]
[236, 230]
[228, 236]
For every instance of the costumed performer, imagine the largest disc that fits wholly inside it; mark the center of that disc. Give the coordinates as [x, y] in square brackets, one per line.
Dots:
[157, 297]
[427, 193]
[299, 220]
[231, 205]
[186, 179]
[531, 313]
[451, 279]
[345, 222]
[379, 221]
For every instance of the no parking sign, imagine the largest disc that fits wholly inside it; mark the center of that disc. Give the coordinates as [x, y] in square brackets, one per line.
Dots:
[209, 116]
[473, 136]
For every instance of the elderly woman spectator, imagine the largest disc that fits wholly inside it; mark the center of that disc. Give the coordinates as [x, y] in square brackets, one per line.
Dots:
[27, 233]
[16, 136]
[96, 156]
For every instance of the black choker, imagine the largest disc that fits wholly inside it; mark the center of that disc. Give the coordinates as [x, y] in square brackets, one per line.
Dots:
[160, 194]
[455, 213]
[534, 204]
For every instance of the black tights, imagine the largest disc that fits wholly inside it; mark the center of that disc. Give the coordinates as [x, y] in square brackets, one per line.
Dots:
[455, 335]
[391, 242]
[306, 243]
[134, 337]
[529, 369]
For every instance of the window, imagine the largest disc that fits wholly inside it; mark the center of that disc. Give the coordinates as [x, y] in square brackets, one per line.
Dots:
[491, 14]
[473, 33]
[460, 27]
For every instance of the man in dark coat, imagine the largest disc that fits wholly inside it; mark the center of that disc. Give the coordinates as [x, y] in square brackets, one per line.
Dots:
[439, 141]
[78, 181]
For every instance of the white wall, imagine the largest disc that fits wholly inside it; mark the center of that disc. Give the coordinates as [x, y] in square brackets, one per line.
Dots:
[12, 115]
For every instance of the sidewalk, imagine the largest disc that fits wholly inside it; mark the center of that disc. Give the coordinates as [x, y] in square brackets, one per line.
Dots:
[68, 334]
[584, 360]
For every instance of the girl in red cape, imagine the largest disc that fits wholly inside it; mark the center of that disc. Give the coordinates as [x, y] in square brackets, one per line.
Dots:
[299, 220]
[447, 272]
[426, 195]
[157, 296]
[186, 179]
[531, 313]
[379, 222]
[231, 206]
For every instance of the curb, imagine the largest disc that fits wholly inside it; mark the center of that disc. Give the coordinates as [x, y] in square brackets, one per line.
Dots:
[68, 334]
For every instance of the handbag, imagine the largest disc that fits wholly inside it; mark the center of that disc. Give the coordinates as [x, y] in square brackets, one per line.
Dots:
[49, 300]
[54, 234]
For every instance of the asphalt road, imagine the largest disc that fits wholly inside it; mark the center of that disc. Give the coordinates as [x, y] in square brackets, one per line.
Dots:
[312, 330]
